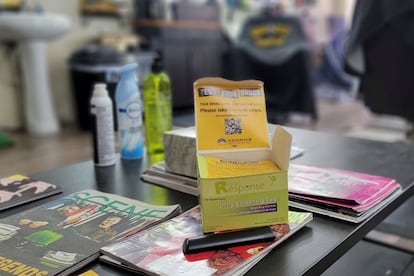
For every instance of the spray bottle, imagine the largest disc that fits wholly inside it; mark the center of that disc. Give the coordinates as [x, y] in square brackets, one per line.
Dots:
[102, 126]
[157, 109]
[129, 110]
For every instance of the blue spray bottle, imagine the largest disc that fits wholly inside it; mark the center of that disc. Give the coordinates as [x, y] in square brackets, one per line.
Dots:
[129, 111]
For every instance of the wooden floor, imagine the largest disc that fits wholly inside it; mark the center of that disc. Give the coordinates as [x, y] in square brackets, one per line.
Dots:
[33, 154]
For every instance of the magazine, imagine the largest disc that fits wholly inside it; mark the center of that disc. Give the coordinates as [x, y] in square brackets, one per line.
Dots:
[341, 213]
[329, 183]
[158, 174]
[346, 195]
[158, 250]
[342, 194]
[19, 189]
[59, 237]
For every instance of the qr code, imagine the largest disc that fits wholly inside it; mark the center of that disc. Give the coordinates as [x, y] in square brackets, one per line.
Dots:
[233, 126]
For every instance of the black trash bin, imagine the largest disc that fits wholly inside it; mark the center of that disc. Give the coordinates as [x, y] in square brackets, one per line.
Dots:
[91, 65]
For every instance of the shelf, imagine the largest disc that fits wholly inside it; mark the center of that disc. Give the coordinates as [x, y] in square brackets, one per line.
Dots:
[188, 24]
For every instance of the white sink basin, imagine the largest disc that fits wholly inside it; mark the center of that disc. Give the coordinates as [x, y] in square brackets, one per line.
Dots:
[32, 26]
[32, 31]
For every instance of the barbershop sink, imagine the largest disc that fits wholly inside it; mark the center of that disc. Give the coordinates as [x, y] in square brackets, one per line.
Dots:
[32, 26]
[32, 31]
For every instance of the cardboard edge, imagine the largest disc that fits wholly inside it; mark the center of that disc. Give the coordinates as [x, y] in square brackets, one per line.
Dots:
[226, 82]
[281, 145]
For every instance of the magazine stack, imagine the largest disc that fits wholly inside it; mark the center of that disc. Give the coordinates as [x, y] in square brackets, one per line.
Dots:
[346, 195]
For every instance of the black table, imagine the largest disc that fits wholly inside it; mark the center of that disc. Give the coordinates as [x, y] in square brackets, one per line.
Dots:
[314, 248]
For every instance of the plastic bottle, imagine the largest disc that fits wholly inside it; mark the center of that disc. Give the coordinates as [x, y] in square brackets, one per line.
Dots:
[102, 126]
[129, 111]
[157, 109]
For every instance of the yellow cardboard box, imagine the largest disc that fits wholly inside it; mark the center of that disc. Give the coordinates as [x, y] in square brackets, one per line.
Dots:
[242, 177]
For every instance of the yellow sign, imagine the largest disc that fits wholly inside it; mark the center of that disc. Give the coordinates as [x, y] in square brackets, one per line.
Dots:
[230, 114]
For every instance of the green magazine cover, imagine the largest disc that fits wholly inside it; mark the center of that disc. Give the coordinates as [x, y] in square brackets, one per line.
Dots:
[59, 237]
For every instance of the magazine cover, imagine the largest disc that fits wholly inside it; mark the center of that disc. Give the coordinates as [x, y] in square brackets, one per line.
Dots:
[61, 236]
[19, 189]
[158, 250]
[346, 195]
[339, 210]
[329, 183]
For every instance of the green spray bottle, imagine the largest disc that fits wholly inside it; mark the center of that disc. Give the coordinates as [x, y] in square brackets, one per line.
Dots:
[157, 109]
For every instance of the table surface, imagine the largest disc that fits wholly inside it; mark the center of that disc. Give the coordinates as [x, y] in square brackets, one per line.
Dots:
[310, 251]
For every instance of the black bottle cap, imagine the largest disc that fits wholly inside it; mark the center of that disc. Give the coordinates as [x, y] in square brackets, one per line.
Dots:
[157, 65]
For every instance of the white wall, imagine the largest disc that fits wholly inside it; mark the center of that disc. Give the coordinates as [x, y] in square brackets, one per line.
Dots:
[58, 52]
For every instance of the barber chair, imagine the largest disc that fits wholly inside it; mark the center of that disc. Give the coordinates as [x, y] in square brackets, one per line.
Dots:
[274, 49]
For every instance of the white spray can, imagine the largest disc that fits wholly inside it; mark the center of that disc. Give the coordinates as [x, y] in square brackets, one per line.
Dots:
[102, 121]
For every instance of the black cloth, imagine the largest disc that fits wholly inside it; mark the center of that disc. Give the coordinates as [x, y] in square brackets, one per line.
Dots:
[370, 17]
[274, 49]
[380, 51]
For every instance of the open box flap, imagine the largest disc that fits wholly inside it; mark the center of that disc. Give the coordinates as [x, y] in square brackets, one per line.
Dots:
[281, 144]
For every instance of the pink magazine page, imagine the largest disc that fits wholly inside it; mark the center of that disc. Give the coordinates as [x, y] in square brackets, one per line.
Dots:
[387, 190]
[329, 183]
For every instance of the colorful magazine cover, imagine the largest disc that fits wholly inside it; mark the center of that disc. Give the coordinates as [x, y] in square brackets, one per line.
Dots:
[59, 237]
[329, 183]
[341, 213]
[158, 250]
[19, 189]
[346, 195]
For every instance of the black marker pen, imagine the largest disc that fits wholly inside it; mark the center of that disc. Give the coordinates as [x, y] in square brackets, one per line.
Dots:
[228, 239]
